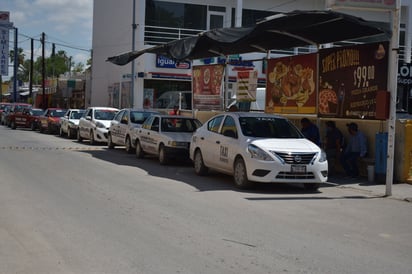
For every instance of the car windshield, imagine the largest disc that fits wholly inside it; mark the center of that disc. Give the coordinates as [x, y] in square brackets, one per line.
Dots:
[57, 113]
[139, 117]
[268, 127]
[76, 114]
[180, 125]
[104, 114]
[36, 112]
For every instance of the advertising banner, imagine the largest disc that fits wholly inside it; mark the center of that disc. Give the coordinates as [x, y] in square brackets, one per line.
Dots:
[350, 78]
[246, 86]
[4, 51]
[207, 87]
[291, 85]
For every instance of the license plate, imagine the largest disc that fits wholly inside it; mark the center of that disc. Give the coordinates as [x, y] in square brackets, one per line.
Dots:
[298, 169]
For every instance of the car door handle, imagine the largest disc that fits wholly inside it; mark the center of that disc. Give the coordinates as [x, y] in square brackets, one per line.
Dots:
[202, 138]
[217, 142]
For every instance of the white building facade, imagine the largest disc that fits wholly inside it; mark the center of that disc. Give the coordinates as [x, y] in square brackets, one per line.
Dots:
[158, 22]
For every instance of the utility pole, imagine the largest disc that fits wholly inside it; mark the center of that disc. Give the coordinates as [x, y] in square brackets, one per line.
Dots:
[31, 68]
[16, 65]
[43, 62]
[134, 26]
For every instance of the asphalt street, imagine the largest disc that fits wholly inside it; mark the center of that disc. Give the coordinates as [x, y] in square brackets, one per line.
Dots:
[68, 207]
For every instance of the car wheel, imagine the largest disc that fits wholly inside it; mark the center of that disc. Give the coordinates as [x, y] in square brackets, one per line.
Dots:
[162, 155]
[69, 133]
[128, 144]
[79, 137]
[13, 125]
[92, 141]
[311, 186]
[110, 143]
[139, 150]
[199, 165]
[240, 175]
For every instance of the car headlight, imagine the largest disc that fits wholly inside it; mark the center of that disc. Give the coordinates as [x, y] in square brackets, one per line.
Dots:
[322, 157]
[258, 153]
[100, 125]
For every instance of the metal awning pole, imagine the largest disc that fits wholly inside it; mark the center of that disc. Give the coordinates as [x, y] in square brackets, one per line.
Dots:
[392, 84]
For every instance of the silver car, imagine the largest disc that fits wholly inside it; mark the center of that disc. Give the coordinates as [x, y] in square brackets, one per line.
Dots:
[166, 136]
[122, 127]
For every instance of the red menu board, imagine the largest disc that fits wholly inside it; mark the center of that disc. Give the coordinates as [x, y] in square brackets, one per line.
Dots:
[349, 79]
[291, 84]
[207, 86]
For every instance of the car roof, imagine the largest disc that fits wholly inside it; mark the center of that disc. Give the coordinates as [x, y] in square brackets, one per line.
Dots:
[173, 116]
[110, 108]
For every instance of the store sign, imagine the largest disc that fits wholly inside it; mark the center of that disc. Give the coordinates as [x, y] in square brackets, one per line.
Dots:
[291, 84]
[350, 79]
[405, 74]
[164, 62]
[4, 51]
[207, 84]
[375, 4]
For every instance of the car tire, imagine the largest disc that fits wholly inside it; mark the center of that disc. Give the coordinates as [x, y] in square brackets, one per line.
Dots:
[311, 186]
[128, 145]
[79, 137]
[139, 150]
[163, 160]
[69, 133]
[33, 126]
[110, 143]
[240, 174]
[91, 138]
[13, 125]
[199, 165]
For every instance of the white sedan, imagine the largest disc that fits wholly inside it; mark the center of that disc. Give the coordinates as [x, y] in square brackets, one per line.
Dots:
[122, 126]
[257, 147]
[94, 124]
[70, 121]
[165, 136]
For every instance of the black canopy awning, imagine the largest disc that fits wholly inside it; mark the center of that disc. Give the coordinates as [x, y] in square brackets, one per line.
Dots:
[280, 31]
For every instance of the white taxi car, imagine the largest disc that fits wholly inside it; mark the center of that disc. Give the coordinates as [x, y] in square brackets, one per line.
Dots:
[122, 126]
[94, 124]
[70, 121]
[166, 136]
[257, 147]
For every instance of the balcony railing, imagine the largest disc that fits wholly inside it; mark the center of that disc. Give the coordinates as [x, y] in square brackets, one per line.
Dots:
[154, 35]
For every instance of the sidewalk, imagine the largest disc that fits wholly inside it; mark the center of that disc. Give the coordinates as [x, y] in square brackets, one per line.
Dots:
[401, 191]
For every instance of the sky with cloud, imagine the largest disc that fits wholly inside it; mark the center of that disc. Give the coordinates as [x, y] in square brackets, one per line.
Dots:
[67, 23]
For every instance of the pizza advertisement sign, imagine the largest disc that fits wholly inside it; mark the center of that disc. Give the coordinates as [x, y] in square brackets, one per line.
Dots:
[246, 85]
[349, 79]
[207, 84]
[291, 85]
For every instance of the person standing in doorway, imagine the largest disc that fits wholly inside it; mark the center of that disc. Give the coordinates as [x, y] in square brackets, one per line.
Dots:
[334, 143]
[310, 130]
[356, 148]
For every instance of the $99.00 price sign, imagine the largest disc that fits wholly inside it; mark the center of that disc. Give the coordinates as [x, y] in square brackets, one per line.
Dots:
[349, 79]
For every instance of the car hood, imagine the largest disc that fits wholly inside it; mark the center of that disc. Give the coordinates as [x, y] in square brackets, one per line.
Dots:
[286, 145]
[106, 123]
[74, 121]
